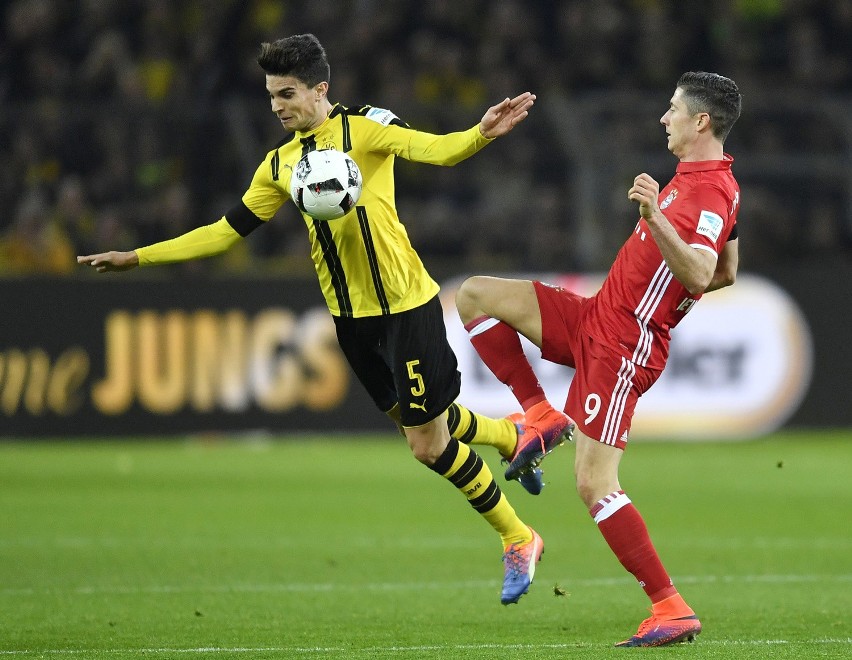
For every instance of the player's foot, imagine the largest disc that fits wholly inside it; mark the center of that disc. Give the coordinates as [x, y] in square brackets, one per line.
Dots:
[519, 562]
[531, 480]
[538, 437]
[662, 631]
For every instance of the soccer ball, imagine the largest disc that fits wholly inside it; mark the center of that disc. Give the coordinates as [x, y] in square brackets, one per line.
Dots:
[326, 184]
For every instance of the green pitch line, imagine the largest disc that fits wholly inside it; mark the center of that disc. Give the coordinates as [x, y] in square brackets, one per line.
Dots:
[312, 547]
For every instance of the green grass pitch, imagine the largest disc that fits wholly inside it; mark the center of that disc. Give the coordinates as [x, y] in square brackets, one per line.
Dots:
[318, 548]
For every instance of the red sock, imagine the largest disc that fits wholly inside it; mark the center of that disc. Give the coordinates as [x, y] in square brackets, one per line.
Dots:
[499, 346]
[627, 536]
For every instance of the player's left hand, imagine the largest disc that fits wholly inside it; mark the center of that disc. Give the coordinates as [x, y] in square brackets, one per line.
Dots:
[501, 118]
[110, 261]
[646, 191]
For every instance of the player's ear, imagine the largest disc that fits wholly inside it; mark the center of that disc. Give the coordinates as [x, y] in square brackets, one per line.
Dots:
[703, 121]
[321, 89]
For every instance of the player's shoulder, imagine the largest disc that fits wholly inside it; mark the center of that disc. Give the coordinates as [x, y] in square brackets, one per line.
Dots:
[270, 166]
[275, 152]
[712, 184]
[381, 116]
[723, 184]
[287, 139]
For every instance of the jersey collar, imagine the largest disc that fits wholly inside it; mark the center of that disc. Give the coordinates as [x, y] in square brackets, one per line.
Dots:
[706, 165]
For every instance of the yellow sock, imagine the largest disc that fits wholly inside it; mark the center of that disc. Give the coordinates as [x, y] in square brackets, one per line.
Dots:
[474, 429]
[462, 467]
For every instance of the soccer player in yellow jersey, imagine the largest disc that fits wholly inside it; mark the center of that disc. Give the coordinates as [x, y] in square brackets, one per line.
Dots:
[385, 307]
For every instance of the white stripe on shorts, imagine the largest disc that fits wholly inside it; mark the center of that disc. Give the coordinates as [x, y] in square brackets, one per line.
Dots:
[615, 411]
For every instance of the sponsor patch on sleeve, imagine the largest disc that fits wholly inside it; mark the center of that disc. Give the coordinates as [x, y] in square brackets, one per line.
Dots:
[381, 116]
[710, 224]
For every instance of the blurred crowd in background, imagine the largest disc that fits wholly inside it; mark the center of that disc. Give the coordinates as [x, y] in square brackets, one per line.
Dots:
[125, 122]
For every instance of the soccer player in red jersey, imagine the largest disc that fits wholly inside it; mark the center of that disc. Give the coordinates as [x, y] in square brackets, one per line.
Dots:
[684, 245]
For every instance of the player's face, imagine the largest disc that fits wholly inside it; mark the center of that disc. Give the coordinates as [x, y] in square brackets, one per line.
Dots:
[681, 125]
[298, 107]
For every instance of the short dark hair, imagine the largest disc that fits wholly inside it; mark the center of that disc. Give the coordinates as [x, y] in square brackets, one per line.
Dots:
[301, 56]
[714, 94]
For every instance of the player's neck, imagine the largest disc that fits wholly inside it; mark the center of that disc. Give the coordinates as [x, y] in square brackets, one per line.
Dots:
[323, 110]
[704, 150]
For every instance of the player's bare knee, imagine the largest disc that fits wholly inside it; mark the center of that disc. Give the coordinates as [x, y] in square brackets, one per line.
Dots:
[427, 456]
[590, 486]
[422, 453]
[584, 488]
[425, 443]
[468, 299]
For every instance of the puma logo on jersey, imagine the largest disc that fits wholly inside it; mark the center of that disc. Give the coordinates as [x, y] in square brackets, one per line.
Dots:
[421, 406]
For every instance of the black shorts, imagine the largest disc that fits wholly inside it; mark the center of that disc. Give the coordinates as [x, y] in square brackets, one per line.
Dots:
[403, 358]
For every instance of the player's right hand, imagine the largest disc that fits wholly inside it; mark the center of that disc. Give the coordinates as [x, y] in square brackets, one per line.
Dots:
[110, 261]
[645, 191]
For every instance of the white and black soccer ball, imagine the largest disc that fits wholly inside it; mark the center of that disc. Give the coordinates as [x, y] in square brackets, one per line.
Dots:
[326, 184]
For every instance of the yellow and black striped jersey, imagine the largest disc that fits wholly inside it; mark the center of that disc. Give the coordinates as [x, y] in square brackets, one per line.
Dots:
[365, 262]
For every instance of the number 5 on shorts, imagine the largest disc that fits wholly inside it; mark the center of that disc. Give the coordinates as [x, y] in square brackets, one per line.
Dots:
[419, 388]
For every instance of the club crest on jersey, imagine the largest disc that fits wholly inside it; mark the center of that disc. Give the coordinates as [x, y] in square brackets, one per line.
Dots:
[668, 200]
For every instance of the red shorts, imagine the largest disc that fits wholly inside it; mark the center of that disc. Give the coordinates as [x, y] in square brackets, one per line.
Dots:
[606, 385]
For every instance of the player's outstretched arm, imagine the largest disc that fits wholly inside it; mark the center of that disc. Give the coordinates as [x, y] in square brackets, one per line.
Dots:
[206, 241]
[501, 118]
[110, 261]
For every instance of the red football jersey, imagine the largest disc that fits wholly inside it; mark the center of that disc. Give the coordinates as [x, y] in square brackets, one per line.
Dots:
[640, 300]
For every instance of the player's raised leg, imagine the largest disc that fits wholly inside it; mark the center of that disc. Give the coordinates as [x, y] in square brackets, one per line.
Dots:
[494, 311]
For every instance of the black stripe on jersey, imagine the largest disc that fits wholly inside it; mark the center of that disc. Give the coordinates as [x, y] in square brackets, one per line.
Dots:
[243, 221]
[275, 165]
[347, 135]
[733, 233]
[361, 111]
[308, 144]
[335, 268]
[372, 258]
[344, 125]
